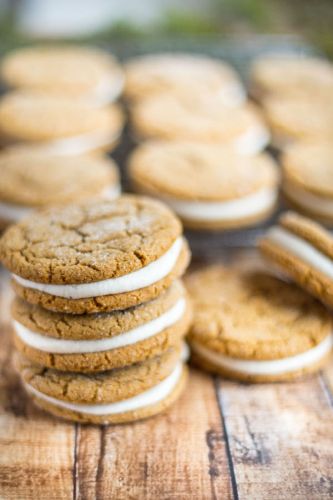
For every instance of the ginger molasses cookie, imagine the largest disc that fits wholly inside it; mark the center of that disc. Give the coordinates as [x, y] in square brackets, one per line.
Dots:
[32, 180]
[111, 397]
[102, 341]
[56, 125]
[254, 327]
[302, 250]
[182, 73]
[208, 186]
[200, 118]
[80, 73]
[308, 178]
[97, 255]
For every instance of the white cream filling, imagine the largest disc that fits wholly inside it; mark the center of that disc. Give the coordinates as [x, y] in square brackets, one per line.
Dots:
[12, 212]
[271, 367]
[142, 332]
[147, 398]
[301, 249]
[246, 206]
[146, 276]
[107, 91]
[233, 94]
[252, 141]
[315, 203]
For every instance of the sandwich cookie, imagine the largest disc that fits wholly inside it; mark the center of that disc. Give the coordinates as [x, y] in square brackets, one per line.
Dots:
[208, 186]
[112, 397]
[182, 73]
[60, 126]
[31, 180]
[80, 73]
[200, 118]
[302, 250]
[308, 179]
[95, 256]
[98, 342]
[254, 327]
[292, 75]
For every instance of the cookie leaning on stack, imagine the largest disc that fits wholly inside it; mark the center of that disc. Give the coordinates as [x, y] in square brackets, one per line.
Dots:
[107, 269]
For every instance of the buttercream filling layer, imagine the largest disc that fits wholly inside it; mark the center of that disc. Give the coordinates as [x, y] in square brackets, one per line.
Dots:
[107, 91]
[147, 398]
[252, 141]
[138, 334]
[272, 367]
[136, 280]
[232, 94]
[301, 249]
[315, 203]
[247, 206]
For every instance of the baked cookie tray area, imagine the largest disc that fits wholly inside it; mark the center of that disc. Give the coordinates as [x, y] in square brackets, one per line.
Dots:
[221, 440]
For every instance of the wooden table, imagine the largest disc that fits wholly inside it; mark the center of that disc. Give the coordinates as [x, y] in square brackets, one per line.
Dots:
[221, 440]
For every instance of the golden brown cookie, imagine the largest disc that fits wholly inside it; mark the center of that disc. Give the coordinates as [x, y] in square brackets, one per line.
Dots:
[308, 178]
[114, 396]
[96, 256]
[200, 118]
[58, 125]
[208, 186]
[252, 326]
[303, 250]
[31, 179]
[81, 73]
[98, 342]
[153, 74]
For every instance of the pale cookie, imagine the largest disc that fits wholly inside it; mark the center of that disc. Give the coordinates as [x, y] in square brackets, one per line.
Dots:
[200, 118]
[96, 256]
[208, 186]
[302, 250]
[182, 73]
[81, 73]
[111, 397]
[254, 327]
[308, 178]
[293, 75]
[98, 342]
[60, 126]
[31, 179]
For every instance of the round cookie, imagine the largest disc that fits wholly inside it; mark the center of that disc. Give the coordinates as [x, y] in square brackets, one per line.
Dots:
[303, 251]
[208, 186]
[80, 73]
[200, 118]
[293, 75]
[95, 256]
[308, 178]
[254, 327]
[98, 342]
[182, 73]
[31, 179]
[60, 126]
[115, 396]
[293, 119]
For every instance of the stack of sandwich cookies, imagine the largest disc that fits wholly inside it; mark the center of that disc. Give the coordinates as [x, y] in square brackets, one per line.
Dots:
[58, 125]
[101, 290]
[208, 186]
[254, 327]
[302, 250]
[308, 179]
[32, 180]
[81, 73]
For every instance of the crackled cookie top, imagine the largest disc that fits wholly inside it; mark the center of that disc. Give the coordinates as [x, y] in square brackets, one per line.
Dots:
[193, 171]
[67, 70]
[28, 116]
[173, 73]
[91, 241]
[33, 179]
[252, 315]
[310, 165]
